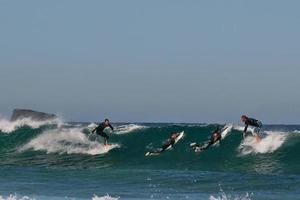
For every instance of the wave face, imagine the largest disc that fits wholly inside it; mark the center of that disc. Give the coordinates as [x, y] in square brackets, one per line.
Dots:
[71, 145]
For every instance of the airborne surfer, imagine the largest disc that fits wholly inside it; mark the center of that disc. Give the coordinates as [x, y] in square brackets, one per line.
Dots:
[215, 137]
[100, 130]
[252, 122]
[169, 143]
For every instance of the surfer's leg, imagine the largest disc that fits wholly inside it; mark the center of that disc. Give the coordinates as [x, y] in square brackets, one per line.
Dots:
[105, 136]
[207, 146]
[257, 132]
[163, 148]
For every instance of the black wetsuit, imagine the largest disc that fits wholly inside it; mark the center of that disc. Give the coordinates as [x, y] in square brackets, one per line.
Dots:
[252, 122]
[213, 139]
[99, 130]
[169, 143]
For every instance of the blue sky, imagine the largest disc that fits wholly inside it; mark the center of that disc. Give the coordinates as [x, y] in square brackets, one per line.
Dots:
[157, 61]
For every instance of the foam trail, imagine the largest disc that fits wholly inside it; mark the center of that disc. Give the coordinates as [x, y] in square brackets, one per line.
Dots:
[106, 197]
[7, 126]
[69, 141]
[123, 129]
[269, 144]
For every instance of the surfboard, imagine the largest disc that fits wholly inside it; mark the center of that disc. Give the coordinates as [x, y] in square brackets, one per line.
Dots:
[179, 137]
[224, 133]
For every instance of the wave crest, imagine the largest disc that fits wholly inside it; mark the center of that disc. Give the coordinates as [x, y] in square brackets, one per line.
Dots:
[7, 126]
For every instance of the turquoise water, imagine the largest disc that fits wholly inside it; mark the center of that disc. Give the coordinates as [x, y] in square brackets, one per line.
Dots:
[54, 160]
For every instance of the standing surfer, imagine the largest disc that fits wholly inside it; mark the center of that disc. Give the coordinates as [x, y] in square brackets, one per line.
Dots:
[252, 122]
[100, 130]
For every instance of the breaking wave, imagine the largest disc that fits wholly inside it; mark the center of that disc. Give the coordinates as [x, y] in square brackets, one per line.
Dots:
[69, 141]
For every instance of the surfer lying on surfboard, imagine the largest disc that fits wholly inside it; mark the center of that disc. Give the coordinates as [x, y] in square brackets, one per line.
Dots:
[215, 137]
[169, 144]
[100, 130]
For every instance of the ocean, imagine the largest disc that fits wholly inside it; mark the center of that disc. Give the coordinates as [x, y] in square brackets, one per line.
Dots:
[58, 160]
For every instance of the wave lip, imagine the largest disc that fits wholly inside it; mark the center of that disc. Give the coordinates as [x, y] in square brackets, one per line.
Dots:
[69, 141]
[123, 129]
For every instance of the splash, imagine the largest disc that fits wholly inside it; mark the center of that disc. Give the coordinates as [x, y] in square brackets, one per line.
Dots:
[15, 197]
[224, 196]
[69, 141]
[106, 197]
[7, 126]
[269, 144]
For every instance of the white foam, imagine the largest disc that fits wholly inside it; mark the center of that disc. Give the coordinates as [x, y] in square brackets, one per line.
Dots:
[269, 144]
[92, 125]
[69, 141]
[123, 129]
[106, 197]
[15, 197]
[224, 196]
[7, 126]
[230, 197]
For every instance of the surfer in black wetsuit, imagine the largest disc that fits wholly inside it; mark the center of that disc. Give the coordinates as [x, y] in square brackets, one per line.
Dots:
[170, 143]
[252, 122]
[100, 130]
[215, 136]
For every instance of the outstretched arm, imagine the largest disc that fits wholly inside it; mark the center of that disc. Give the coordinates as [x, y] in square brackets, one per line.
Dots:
[110, 126]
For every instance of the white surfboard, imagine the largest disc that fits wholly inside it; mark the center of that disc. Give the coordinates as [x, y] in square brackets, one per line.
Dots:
[179, 137]
[225, 131]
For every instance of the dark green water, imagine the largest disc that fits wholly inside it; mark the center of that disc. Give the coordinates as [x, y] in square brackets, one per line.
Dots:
[48, 161]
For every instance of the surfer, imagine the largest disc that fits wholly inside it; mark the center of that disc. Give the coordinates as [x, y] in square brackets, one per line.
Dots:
[100, 130]
[215, 137]
[170, 143]
[252, 122]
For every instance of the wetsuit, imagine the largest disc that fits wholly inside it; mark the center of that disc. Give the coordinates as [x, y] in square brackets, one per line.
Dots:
[213, 139]
[99, 130]
[169, 143]
[253, 122]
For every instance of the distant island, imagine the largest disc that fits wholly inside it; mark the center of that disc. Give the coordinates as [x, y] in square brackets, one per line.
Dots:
[34, 115]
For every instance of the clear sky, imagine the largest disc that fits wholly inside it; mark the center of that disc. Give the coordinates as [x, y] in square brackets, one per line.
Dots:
[155, 61]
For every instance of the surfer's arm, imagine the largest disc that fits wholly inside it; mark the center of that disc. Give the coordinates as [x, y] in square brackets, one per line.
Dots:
[110, 126]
